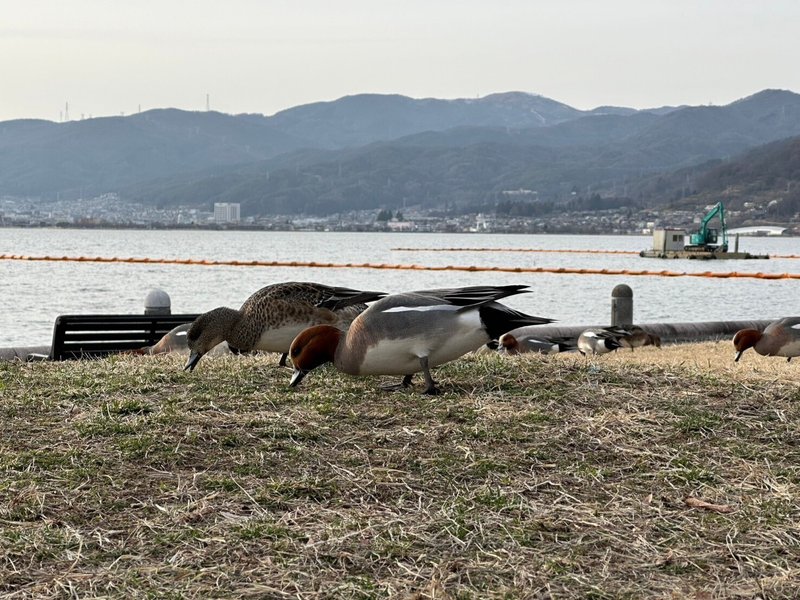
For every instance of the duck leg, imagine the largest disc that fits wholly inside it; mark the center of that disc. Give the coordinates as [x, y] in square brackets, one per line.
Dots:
[398, 386]
[430, 384]
[282, 361]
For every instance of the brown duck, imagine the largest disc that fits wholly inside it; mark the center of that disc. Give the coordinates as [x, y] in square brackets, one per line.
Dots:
[271, 318]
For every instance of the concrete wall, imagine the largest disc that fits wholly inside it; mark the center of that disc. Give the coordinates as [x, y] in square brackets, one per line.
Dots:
[670, 333]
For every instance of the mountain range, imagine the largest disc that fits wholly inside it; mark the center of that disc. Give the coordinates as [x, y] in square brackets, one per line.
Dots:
[370, 151]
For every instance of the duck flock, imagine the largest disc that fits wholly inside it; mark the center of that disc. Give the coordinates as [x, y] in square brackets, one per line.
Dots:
[372, 333]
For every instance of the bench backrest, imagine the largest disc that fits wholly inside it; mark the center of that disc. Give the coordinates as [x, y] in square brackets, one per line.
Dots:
[85, 336]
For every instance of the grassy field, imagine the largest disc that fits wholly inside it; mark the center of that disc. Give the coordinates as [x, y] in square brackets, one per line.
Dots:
[671, 473]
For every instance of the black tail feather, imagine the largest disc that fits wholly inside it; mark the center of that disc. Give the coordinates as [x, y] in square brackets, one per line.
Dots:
[499, 319]
[565, 343]
[344, 297]
[475, 294]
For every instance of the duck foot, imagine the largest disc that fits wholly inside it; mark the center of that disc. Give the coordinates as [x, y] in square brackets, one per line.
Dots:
[396, 387]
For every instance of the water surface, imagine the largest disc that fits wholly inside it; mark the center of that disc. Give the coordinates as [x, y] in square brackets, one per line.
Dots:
[33, 294]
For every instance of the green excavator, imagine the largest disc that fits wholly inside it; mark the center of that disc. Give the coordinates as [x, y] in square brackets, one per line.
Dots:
[707, 239]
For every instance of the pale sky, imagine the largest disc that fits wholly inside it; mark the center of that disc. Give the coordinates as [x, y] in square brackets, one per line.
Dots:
[107, 57]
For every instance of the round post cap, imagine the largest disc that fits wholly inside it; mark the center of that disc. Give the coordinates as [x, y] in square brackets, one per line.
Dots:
[622, 291]
[157, 301]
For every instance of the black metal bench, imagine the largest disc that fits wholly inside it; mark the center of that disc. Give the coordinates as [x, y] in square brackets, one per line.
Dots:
[95, 336]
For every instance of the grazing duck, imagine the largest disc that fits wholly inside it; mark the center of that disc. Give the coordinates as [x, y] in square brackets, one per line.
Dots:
[271, 318]
[403, 334]
[780, 338]
[520, 341]
[638, 337]
[601, 340]
[175, 341]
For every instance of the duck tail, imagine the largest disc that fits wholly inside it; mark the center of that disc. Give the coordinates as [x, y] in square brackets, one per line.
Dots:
[499, 319]
[565, 344]
[474, 295]
[340, 301]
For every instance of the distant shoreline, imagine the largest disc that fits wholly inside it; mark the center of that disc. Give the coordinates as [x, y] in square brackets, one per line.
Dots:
[355, 229]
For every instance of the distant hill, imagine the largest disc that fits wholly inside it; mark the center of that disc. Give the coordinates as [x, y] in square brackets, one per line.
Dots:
[767, 175]
[472, 166]
[46, 159]
[369, 151]
[41, 158]
[366, 118]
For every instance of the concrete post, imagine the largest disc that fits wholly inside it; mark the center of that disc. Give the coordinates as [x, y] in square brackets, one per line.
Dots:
[622, 305]
[157, 302]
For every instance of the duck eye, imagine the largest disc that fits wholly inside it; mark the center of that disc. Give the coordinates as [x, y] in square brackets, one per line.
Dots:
[295, 351]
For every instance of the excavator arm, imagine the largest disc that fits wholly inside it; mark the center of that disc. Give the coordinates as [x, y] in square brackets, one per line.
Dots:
[708, 237]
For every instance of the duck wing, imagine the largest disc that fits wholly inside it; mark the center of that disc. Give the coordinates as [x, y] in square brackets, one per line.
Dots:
[339, 298]
[473, 295]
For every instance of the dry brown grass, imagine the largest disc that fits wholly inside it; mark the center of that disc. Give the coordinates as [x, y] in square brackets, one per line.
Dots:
[715, 358]
[529, 477]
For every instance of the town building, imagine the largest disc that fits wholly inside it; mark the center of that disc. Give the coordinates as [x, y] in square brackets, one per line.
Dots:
[226, 212]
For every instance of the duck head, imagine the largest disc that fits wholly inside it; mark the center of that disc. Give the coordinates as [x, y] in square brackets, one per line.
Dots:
[208, 330]
[312, 348]
[744, 339]
[508, 344]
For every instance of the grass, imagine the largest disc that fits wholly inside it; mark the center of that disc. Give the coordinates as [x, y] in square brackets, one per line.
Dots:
[528, 477]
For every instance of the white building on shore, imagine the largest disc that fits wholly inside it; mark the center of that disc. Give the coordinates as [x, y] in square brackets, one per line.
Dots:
[226, 212]
[758, 230]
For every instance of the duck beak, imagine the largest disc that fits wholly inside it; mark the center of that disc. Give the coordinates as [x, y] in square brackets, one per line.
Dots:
[194, 358]
[738, 356]
[297, 377]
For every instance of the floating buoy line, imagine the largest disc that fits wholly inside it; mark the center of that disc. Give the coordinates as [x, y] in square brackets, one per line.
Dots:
[322, 265]
[545, 250]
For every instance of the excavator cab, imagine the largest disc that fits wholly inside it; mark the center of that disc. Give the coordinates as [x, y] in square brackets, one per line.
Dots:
[704, 238]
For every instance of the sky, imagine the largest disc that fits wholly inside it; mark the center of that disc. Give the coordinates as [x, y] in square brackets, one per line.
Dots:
[93, 58]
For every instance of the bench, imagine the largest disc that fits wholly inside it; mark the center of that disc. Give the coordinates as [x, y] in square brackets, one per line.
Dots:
[96, 336]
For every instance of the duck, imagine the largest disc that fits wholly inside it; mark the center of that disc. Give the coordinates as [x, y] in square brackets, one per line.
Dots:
[779, 338]
[271, 318]
[521, 341]
[638, 337]
[601, 340]
[175, 341]
[411, 332]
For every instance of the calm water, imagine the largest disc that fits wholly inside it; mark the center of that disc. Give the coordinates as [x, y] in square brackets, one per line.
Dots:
[34, 293]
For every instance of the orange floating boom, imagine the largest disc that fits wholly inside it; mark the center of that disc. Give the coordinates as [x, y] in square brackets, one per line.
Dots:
[551, 250]
[472, 268]
[545, 250]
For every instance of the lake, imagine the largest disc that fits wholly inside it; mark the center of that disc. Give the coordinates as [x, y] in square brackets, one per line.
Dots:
[35, 293]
